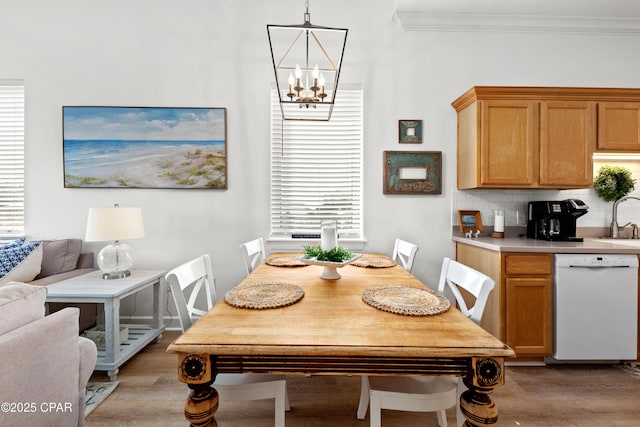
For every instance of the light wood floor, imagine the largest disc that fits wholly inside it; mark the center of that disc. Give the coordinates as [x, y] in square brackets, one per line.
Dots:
[149, 394]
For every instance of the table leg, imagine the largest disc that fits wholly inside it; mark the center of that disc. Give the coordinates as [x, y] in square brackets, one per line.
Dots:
[476, 404]
[113, 374]
[112, 329]
[158, 297]
[200, 407]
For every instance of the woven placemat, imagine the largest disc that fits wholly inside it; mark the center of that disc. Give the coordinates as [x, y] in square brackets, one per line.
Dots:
[264, 295]
[405, 300]
[374, 261]
[285, 261]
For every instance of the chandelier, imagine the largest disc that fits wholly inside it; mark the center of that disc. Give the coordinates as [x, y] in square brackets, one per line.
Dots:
[306, 60]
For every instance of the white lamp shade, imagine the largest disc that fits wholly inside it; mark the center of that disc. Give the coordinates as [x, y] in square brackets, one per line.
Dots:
[115, 223]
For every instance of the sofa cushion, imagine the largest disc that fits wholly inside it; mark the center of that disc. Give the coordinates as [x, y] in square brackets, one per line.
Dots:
[20, 304]
[20, 263]
[59, 256]
[41, 366]
[55, 278]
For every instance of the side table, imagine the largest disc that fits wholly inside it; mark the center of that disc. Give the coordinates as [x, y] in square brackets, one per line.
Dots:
[92, 288]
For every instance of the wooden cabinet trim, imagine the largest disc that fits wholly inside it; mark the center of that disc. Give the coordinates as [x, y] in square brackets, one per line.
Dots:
[490, 263]
[546, 93]
[468, 147]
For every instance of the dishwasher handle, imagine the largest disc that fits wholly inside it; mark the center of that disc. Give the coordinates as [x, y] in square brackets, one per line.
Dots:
[597, 267]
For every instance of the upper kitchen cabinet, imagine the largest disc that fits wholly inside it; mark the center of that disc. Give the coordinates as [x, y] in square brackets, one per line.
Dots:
[619, 126]
[522, 137]
[508, 136]
[567, 141]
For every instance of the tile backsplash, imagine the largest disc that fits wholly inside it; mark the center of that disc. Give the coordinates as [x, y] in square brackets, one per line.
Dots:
[514, 202]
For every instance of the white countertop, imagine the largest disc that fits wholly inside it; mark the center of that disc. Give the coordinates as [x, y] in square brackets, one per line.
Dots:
[522, 244]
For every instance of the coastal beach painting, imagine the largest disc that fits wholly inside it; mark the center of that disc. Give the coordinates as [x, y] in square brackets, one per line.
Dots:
[144, 147]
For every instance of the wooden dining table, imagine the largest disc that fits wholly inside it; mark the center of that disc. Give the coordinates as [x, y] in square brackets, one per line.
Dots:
[332, 331]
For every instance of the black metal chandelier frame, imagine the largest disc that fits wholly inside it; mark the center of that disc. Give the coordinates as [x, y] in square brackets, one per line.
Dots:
[304, 63]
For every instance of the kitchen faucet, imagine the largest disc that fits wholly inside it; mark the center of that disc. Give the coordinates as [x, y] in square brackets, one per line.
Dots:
[614, 228]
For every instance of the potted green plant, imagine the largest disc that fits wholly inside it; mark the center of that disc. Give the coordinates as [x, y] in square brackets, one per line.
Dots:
[613, 182]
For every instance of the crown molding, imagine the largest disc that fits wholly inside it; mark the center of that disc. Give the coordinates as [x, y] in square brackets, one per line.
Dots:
[547, 93]
[472, 22]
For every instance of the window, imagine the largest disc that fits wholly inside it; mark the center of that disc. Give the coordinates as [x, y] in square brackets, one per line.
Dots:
[11, 157]
[316, 170]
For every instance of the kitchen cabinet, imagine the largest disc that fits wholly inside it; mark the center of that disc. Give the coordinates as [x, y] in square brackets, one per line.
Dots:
[529, 303]
[488, 262]
[520, 308]
[619, 126]
[524, 138]
[508, 139]
[567, 142]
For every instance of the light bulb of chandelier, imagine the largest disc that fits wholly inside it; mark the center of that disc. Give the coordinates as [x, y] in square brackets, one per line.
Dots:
[322, 95]
[298, 72]
[315, 72]
[291, 80]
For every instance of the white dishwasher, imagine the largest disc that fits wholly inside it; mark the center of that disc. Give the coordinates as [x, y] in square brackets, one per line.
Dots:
[596, 307]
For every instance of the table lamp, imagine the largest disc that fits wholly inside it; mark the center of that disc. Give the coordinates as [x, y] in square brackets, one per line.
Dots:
[115, 224]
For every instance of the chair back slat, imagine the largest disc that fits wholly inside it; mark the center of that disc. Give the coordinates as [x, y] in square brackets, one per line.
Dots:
[252, 253]
[455, 276]
[193, 277]
[404, 253]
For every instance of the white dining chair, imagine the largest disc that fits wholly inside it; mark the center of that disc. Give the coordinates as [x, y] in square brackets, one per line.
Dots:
[191, 280]
[404, 253]
[195, 278]
[424, 393]
[252, 253]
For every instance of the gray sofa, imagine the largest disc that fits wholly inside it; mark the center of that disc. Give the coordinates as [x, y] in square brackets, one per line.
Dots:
[63, 259]
[44, 365]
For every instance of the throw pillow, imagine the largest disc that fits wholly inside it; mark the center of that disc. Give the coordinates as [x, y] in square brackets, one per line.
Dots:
[59, 256]
[21, 263]
[20, 304]
[15, 243]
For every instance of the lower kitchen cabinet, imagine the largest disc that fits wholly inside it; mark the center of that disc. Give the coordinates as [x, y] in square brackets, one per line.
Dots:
[529, 303]
[520, 308]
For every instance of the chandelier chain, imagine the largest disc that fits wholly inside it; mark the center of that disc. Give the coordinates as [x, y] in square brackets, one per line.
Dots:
[307, 16]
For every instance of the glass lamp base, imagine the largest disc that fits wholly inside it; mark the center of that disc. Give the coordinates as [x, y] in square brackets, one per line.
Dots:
[115, 260]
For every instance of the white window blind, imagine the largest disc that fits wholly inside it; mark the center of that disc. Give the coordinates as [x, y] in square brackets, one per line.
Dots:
[11, 157]
[316, 170]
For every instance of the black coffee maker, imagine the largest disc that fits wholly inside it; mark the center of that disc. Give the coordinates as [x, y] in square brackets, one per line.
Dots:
[555, 220]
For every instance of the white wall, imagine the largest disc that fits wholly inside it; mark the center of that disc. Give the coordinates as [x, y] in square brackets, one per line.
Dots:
[203, 53]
